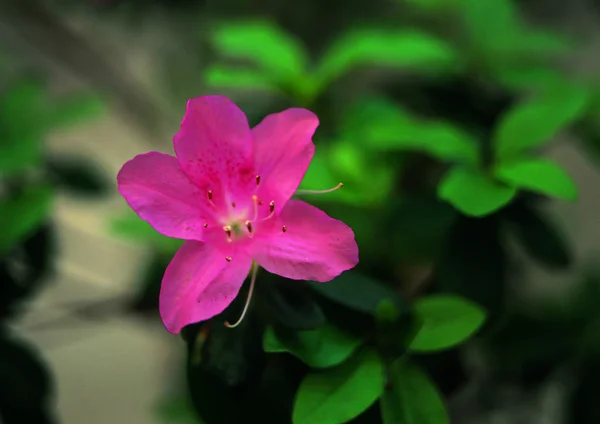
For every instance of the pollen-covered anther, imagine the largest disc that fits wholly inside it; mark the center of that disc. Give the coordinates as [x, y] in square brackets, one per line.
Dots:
[205, 225]
[228, 258]
[284, 228]
[249, 226]
[227, 230]
[258, 180]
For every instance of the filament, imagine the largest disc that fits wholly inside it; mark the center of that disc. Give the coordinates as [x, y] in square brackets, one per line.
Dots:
[248, 299]
[301, 192]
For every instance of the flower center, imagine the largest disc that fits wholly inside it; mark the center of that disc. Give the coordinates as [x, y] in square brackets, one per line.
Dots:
[241, 223]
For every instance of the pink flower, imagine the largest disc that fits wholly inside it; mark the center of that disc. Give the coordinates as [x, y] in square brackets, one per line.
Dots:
[227, 193]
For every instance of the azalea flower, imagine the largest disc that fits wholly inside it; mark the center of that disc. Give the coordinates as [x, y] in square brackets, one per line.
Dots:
[228, 194]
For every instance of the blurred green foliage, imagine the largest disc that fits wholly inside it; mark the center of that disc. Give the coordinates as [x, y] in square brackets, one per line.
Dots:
[29, 180]
[436, 118]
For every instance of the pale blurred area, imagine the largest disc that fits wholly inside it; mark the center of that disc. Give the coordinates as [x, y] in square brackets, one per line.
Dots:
[108, 367]
[111, 367]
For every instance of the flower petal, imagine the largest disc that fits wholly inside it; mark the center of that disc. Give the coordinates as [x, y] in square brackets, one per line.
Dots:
[214, 148]
[200, 283]
[283, 149]
[313, 247]
[156, 188]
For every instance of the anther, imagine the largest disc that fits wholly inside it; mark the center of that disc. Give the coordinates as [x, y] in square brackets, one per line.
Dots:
[300, 192]
[260, 203]
[205, 225]
[284, 228]
[228, 258]
[257, 179]
[227, 230]
[209, 195]
[271, 211]
[233, 204]
[249, 226]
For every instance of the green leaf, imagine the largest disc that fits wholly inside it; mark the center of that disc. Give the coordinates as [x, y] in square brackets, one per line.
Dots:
[542, 42]
[351, 163]
[382, 125]
[225, 77]
[473, 193]
[535, 122]
[21, 215]
[291, 304]
[490, 23]
[539, 175]
[340, 394]
[358, 292]
[277, 53]
[446, 321]
[539, 237]
[412, 49]
[366, 110]
[21, 105]
[177, 410]
[347, 162]
[134, 228]
[19, 154]
[438, 139]
[73, 110]
[520, 77]
[324, 347]
[21, 127]
[412, 397]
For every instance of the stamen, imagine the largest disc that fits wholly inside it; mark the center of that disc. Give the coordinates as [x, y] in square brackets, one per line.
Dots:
[260, 203]
[258, 180]
[233, 204]
[228, 258]
[205, 225]
[301, 192]
[227, 230]
[271, 210]
[209, 195]
[249, 226]
[250, 290]
[284, 228]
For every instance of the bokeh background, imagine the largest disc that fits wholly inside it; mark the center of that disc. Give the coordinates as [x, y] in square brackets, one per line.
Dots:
[410, 95]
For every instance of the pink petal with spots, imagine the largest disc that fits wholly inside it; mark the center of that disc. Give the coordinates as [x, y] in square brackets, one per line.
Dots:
[214, 148]
[156, 188]
[313, 247]
[199, 283]
[283, 149]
